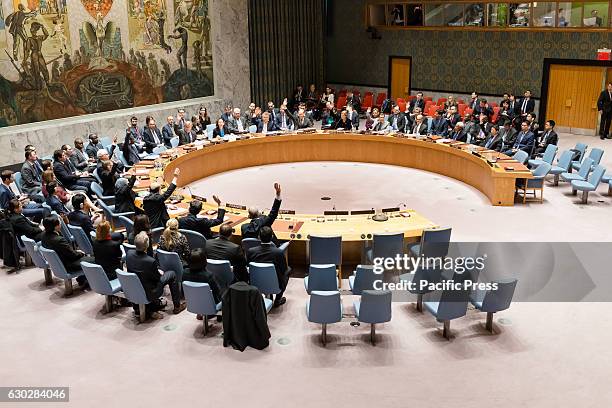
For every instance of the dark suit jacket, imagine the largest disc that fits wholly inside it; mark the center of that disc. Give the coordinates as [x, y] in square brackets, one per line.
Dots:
[6, 195]
[154, 206]
[346, 125]
[508, 137]
[232, 124]
[251, 230]
[92, 150]
[108, 255]
[203, 276]
[439, 127]
[268, 253]
[225, 250]
[149, 139]
[401, 121]
[494, 143]
[125, 196]
[23, 226]
[304, 123]
[31, 178]
[217, 132]
[288, 120]
[354, 119]
[416, 103]
[80, 219]
[186, 138]
[421, 130]
[519, 104]
[55, 241]
[130, 150]
[604, 102]
[201, 225]
[79, 159]
[550, 138]
[167, 134]
[147, 270]
[64, 174]
[454, 119]
[458, 136]
[56, 205]
[524, 142]
[271, 126]
[108, 179]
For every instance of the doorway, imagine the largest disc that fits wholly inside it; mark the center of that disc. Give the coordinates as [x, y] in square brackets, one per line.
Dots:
[399, 77]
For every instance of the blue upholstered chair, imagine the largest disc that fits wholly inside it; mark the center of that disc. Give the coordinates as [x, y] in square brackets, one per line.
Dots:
[324, 307]
[248, 243]
[134, 292]
[170, 261]
[174, 142]
[97, 177]
[125, 222]
[493, 301]
[386, 245]
[451, 305]
[81, 239]
[549, 156]
[111, 216]
[263, 277]
[156, 234]
[122, 159]
[200, 301]
[363, 279]
[563, 165]
[589, 185]
[99, 192]
[99, 283]
[434, 243]
[58, 269]
[195, 239]
[521, 156]
[321, 278]
[253, 129]
[64, 228]
[422, 277]
[326, 250]
[159, 149]
[534, 184]
[222, 271]
[595, 154]
[374, 307]
[580, 148]
[18, 184]
[32, 248]
[582, 174]
[209, 130]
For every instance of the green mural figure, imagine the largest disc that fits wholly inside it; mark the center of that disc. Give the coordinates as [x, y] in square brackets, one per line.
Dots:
[33, 47]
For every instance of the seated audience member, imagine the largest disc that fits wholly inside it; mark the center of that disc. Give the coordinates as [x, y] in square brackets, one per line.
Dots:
[419, 127]
[147, 269]
[482, 108]
[168, 132]
[506, 113]
[221, 248]
[450, 102]
[71, 258]
[505, 98]
[397, 120]
[108, 176]
[372, 115]
[220, 129]
[534, 127]
[54, 201]
[46, 165]
[203, 117]
[352, 100]
[329, 115]
[525, 106]
[30, 208]
[474, 101]
[152, 136]
[343, 123]
[135, 133]
[31, 177]
[227, 113]
[236, 123]
[266, 125]
[196, 272]
[353, 116]
[457, 133]
[141, 224]
[284, 120]
[549, 137]
[251, 230]
[196, 126]
[173, 241]
[439, 125]
[272, 111]
[298, 96]
[104, 155]
[524, 141]
[381, 124]
[131, 152]
[154, 204]
[107, 251]
[94, 145]
[81, 215]
[179, 122]
[484, 128]
[327, 97]
[508, 134]
[66, 174]
[470, 128]
[202, 225]
[302, 121]
[494, 140]
[80, 160]
[417, 102]
[253, 115]
[267, 252]
[452, 116]
[411, 117]
[20, 223]
[312, 99]
[125, 195]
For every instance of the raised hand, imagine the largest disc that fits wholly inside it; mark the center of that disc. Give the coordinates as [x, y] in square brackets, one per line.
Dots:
[277, 187]
[217, 200]
[177, 172]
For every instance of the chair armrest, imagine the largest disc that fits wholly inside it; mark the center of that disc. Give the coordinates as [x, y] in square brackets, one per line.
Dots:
[284, 246]
[125, 214]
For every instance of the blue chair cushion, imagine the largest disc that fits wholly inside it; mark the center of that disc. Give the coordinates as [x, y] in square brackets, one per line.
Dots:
[557, 170]
[357, 305]
[351, 282]
[535, 162]
[582, 185]
[432, 307]
[115, 285]
[219, 306]
[571, 176]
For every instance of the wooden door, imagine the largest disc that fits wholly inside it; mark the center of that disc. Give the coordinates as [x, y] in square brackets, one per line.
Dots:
[572, 97]
[400, 77]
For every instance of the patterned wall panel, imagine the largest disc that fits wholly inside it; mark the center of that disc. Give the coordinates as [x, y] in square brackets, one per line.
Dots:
[456, 61]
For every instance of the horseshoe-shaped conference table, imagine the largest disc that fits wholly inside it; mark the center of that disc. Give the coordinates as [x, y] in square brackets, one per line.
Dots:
[492, 173]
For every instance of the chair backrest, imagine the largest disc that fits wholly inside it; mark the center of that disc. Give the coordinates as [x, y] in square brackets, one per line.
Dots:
[174, 142]
[565, 160]
[596, 154]
[195, 239]
[422, 275]
[585, 167]
[597, 174]
[221, 270]
[124, 221]
[199, 298]
[32, 249]
[322, 277]
[581, 148]
[364, 278]
[128, 247]
[105, 141]
[63, 228]
[170, 261]
[97, 278]
[81, 239]
[209, 130]
[325, 307]
[55, 263]
[542, 170]
[121, 158]
[263, 277]
[375, 306]
[435, 242]
[499, 299]
[453, 304]
[387, 245]
[253, 129]
[108, 213]
[549, 153]
[248, 243]
[521, 156]
[325, 249]
[97, 177]
[156, 234]
[159, 149]
[18, 181]
[132, 287]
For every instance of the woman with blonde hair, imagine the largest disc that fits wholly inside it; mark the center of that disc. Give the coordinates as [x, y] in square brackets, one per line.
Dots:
[173, 241]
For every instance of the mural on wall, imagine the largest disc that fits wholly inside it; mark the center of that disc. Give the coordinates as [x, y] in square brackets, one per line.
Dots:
[2, 32]
[165, 61]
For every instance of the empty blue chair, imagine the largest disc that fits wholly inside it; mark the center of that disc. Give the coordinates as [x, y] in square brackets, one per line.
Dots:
[521, 156]
[134, 292]
[195, 239]
[81, 239]
[159, 149]
[122, 159]
[324, 307]
[386, 245]
[222, 271]
[452, 305]
[563, 165]
[434, 243]
[18, 182]
[595, 155]
[493, 301]
[589, 185]
[421, 279]
[549, 156]
[200, 301]
[99, 283]
[170, 261]
[582, 174]
[32, 249]
[263, 277]
[534, 184]
[174, 142]
[209, 130]
[363, 279]
[326, 250]
[125, 222]
[105, 141]
[374, 307]
[321, 278]
[99, 192]
[58, 269]
[253, 129]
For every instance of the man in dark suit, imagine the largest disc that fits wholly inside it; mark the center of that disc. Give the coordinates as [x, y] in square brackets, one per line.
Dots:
[302, 121]
[53, 239]
[168, 132]
[154, 204]
[353, 116]
[221, 248]
[53, 200]
[272, 111]
[524, 141]
[31, 176]
[474, 101]
[66, 174]
[397, 120]
[604, 105]
[284, 120]
[484, 128]
[21, 224]
[80, 217]
[227, 113]
[93, 146]
[251, 230]
[266, 124]
[30, 209]
[187, 135]
[152, 136]
[419, 127]
[508, 135]
[483, 109]
[136, 133]
[525, 105]
[269, 253]
[549, 137]
[236, 123]
[381, 124]
[439, 125]
[192, 222]
[417, 102]
[147, 269]
[457, 133]
[452, 116]
[494, 141]
[130, 150]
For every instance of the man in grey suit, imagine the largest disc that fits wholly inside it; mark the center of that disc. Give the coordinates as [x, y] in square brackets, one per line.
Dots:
[31, 177]
[508, 134]
[303, 122]
[381, 124]
[236, 123]
[79, 158]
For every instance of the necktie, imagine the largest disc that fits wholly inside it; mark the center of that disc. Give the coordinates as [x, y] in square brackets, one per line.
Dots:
[524, 108]
[155, 136]
[240, 128]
